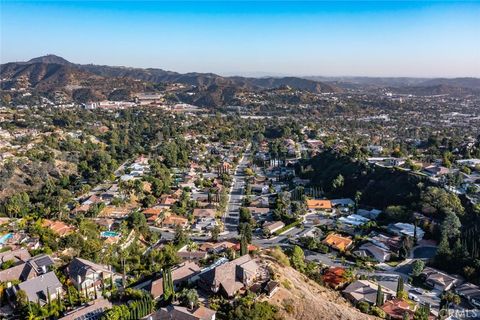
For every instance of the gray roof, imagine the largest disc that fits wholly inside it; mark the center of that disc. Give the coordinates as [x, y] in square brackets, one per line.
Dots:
[93, 311]
[15, 255]
[469, 291]
[81, 267]
[37, 288]
[27, 270]
[227, 275]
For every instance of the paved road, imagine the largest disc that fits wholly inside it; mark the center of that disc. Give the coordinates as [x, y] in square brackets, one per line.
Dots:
[231, 218]
[278, 240]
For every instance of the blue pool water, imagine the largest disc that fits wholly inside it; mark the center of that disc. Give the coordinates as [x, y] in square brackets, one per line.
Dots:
[5, 237]
[108, 234]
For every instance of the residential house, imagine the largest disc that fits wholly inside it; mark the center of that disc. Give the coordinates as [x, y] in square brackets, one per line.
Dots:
[81, 209]
[114, 212]
[180, 275]
[87, 275]
[15, 256]
[17, 260]
[174, 312]
[153, 215]
[392, 243]
[93, 310]
[39, 289]
[378, 253]
[260, 202]
[437, 171]
[365, 290]
[468, 162]
[272, 227]
[353, 220]
[216, 247]
[314, 205]
[38, 265]
[470, 292]
[397, 308]
[107, 223]
[195, 256]
[93, 199]
[260, 188]
[406, 229]
[58, 227]
[173, 221]
[338, 242]
[343, 203]
[439, 280]
[167, 201]
[271, 288]
[204, 219]
[371, 214]
[250, 247]
[375, 150]
[386, 161]
[24, 270]
[257, 211]
[229, 278]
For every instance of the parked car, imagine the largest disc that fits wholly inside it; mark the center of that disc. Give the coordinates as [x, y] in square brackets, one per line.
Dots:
[413, 297]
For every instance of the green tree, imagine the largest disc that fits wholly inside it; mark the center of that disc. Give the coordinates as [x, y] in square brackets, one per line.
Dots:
[338, 182]
[417, 267]
[215, 232]
[181, 236]
[400, 287]
[246, 308]
[243, 245]
[245, 230]
[451, 226]
[379, 299]
[189, 298]
[439, 201]
[298, 259]
[168, 289]
[422, 313]
[245, 215]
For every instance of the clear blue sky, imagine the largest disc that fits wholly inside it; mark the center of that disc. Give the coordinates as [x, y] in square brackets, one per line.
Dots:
[282, 37]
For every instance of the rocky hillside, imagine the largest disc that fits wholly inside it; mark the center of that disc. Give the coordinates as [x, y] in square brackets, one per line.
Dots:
[302, 298]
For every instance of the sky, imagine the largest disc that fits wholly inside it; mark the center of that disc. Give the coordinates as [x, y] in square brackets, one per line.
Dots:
[304, 38]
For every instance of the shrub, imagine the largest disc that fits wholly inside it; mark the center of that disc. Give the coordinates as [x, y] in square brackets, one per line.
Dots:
[280, 256]
[363, 306]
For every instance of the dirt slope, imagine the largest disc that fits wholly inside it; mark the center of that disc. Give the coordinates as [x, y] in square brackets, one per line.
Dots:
[300, 298]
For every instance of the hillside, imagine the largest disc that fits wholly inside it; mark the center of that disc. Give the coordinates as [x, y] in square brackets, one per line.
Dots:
[52, 73]
[90, 82]
[306, 300]
[436, 89]
[472, 83]
[406, 85]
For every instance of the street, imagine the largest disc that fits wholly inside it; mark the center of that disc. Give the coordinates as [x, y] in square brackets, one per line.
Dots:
[231, 217]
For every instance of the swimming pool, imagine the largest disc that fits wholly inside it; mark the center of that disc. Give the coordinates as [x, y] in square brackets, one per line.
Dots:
[109, 234]
[5, 237]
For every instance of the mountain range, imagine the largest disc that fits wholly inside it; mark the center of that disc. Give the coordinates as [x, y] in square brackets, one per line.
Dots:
[85, 82]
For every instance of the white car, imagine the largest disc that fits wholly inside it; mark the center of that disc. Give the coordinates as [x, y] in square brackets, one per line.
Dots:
[413, 297]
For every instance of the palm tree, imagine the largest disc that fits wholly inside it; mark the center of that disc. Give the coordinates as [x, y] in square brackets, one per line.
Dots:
[190, 297]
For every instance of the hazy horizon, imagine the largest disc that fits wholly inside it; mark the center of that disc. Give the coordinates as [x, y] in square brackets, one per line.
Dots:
[287, 38]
